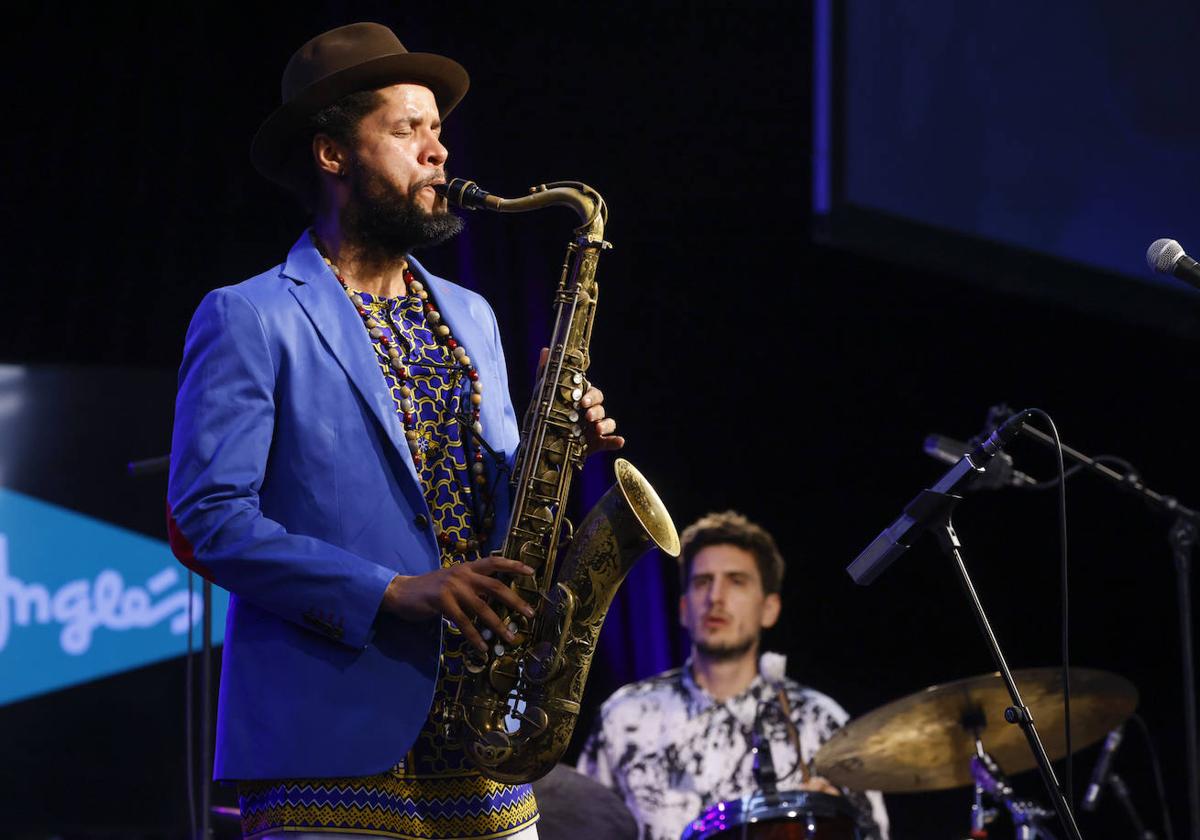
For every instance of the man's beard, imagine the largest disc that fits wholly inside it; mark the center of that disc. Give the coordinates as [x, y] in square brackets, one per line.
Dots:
[726, 652]
[385, 224]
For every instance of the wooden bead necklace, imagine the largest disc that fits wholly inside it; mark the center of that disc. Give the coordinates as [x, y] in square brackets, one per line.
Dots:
[387, 346]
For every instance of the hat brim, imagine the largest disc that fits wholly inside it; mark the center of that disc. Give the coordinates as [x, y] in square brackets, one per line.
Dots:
[273, 150]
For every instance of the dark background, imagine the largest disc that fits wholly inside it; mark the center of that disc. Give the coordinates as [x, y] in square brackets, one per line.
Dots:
[750, 365]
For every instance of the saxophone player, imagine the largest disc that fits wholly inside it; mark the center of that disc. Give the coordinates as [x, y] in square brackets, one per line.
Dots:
[682, 741]
[342, 435]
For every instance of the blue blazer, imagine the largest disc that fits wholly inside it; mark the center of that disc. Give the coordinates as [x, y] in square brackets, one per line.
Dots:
[292, 487]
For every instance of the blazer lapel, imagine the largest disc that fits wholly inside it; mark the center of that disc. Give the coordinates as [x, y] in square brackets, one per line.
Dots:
[335, 318]
[472, 325]
[455, 309]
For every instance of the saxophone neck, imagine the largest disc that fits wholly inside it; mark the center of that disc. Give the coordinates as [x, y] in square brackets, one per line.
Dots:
[585, 201]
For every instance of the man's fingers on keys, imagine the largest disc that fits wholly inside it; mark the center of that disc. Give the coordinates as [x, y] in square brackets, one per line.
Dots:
[452, 611]
[494, 563]
[489, 618]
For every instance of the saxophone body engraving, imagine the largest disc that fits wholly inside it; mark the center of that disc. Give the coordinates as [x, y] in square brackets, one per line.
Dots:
[519, 702]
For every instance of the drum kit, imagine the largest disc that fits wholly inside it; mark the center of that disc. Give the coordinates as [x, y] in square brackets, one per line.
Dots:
[947, 736]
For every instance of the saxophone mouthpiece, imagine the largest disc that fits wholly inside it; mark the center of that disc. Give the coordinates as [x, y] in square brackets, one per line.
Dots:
[466, 194]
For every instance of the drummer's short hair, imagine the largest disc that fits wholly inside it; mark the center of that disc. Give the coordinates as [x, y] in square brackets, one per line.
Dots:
[732, 528]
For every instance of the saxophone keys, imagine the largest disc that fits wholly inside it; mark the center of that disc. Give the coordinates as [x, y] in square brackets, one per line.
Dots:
[541, 519]
[532, 555]
[534, 721]
[474, 661]
[572, 386]
[566, 534]
[553, 450]
[518, 626]
[503, 674]
[540, 661]
[491, 748]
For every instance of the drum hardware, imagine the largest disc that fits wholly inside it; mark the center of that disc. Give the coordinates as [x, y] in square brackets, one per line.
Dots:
[786, 815]
[958, 733]
[1028, 816]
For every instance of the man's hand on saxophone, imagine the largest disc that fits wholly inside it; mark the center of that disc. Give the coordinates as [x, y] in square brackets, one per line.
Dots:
[598, 431]
[460, 593]
[598, 428]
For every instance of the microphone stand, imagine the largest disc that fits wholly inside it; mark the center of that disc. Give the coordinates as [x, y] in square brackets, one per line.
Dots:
[931, 511]
[764, 764]
[206, 722]
[157, 466]
[1182, 536]
[1121, 791]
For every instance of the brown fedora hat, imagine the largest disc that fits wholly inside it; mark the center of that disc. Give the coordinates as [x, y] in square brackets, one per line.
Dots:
[360, 56]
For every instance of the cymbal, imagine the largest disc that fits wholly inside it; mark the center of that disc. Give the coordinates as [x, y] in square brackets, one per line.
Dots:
[925, 741]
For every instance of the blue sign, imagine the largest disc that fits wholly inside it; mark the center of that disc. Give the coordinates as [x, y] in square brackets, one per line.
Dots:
[82, 599]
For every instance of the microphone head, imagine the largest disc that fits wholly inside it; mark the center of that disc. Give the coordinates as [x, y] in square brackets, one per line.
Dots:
[1163, 254]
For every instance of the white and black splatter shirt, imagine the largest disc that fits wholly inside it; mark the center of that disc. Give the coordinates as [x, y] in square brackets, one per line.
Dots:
[671, 750]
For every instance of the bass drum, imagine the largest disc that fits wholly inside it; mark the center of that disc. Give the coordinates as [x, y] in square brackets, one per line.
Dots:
[786, 815]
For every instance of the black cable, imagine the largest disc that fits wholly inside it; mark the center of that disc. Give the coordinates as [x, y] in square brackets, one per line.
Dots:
[189, 713]
[1069, 787]
[1158, 776]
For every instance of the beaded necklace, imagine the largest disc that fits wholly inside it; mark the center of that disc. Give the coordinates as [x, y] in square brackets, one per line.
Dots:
[388, 347]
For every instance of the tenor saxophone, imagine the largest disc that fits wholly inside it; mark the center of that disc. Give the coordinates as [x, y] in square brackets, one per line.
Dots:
[517, 703]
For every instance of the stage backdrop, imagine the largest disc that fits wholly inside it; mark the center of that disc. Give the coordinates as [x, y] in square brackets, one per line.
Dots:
[95, 613]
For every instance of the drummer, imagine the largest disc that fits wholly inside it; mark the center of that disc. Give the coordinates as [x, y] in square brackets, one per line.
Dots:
[679, 742]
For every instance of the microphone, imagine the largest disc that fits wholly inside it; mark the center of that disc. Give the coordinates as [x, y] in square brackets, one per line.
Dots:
[894, 540]
[999, 439]
[1166, 256]
[1091, 796]
[999, 473]
[764, 764]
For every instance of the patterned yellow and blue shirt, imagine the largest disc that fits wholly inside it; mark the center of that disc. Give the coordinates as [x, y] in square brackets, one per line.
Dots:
[433, 793]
